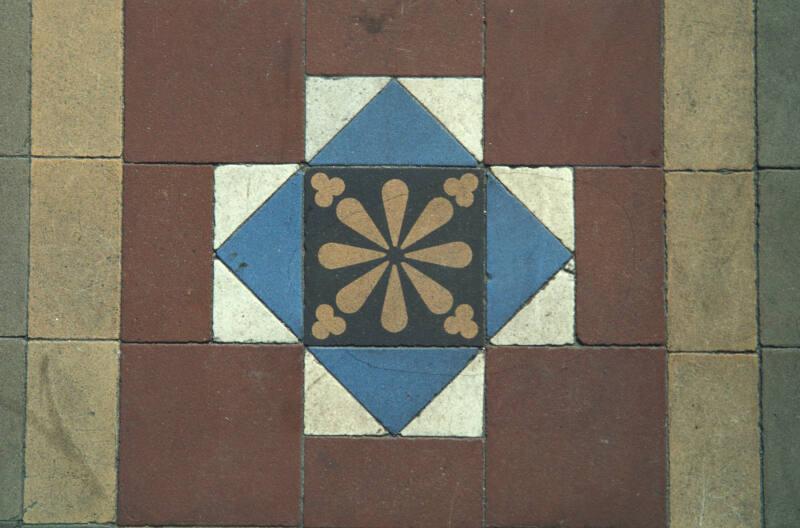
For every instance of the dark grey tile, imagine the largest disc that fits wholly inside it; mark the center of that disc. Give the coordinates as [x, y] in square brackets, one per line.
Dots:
[14, 200]
[12, 424]
[15, 76]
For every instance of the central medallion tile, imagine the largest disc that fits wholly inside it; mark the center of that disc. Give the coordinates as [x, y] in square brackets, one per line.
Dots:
[394, 256]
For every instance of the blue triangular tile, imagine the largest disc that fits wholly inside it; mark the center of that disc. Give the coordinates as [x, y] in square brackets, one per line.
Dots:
[394, 384]
[521, 255]
[394, 129]
[266, 253]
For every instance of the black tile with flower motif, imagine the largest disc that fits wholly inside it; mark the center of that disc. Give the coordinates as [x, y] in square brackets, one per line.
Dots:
[394, 257]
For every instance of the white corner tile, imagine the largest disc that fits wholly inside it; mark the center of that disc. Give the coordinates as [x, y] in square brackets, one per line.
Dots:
[239, 317]
[330, 409]
[457, 103]
[549, 319]
[331, 102]
[457, 410]
[239, 190]
[548, 193]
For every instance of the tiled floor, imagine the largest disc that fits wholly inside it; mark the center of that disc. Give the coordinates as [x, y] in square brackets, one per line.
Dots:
[394, 263]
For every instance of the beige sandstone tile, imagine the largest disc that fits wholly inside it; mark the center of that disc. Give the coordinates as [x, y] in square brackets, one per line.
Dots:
[77, 78]
[708, 84]
[711, 297]
[75, 248]
[71, 436]
[714, 441]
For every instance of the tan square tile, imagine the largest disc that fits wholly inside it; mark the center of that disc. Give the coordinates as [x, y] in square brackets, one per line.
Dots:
[71, 437]
[75, 248]
[708, 84]
[714, 441]
[77, 78]
[711, 278]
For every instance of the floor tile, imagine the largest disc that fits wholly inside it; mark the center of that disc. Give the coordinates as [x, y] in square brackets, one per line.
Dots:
[214, 81]
[711, 261]
[781, 403]
[210, 435]
[12, 413]
[549, 411]
[779, 257]
[75, 248]
[778, 83]
[586, 90]
[708, 85]
[714, 441]
[432, 293]
[394, 129]
[77, 103]
[14, 217]
[352, 37]
[15, 77]
[167, 253]
[71, 433]
[363, 483]
[620, 256]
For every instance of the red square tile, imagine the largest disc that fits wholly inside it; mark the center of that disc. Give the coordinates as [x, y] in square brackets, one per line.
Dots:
[576, 437]
[571, 82]
[387, 37]
[212, 80]
[371, 482]
[167, 217]
[210, 435]
[619, 241]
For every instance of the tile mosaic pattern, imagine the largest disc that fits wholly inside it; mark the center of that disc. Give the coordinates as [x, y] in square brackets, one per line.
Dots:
[335, 263]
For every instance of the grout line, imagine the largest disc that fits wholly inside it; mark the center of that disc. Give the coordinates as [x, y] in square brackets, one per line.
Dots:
[665, 280]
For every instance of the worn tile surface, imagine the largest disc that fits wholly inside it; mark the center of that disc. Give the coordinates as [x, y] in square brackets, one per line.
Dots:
[779, 257]
[551, 410]
[421, 482]
[214, 81]
[224, 423]
[75, 248]
[71, 432]
[12, 434]
[15, 77]
[711, 262]
[620, 256]
[781, 401]
[586, 89]
[713, 440]
[77, 78]
[385, 37]
[14, 218]
[167, 253]
[709, 108]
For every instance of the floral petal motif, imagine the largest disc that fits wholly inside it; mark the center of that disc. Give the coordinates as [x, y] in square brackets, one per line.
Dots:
[327, 323]
[451, 255]
[437, 213]
[333, 255]
[435, 296]
[394, 316]
[352, 214]
[327, 188]
[462, 188]
[461, 322]
[395, 198]
[352, 297]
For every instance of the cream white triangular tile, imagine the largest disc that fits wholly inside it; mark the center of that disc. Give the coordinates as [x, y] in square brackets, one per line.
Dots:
[457, 103]
[330, 409]
[239, 317]
[549, 319]
[457, 410]
[239, 190]
[331, 102]
[548, 193]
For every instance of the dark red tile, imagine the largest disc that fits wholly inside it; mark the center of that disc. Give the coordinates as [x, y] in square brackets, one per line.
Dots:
[167, 216]
[388, 482]
[210, 435]
[619, 258]
[394, 37]
[214, 80]
[576, 438]
[571, 82]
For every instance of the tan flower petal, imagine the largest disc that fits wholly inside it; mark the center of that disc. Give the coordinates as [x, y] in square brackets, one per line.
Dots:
[394, 317]
[437, 213]
[327, 188]
[352, 297]
[395, 199]
[334, 255]
[327, 323]
[435, 296]
[461, 322]
[352, 214]
[451, 255]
